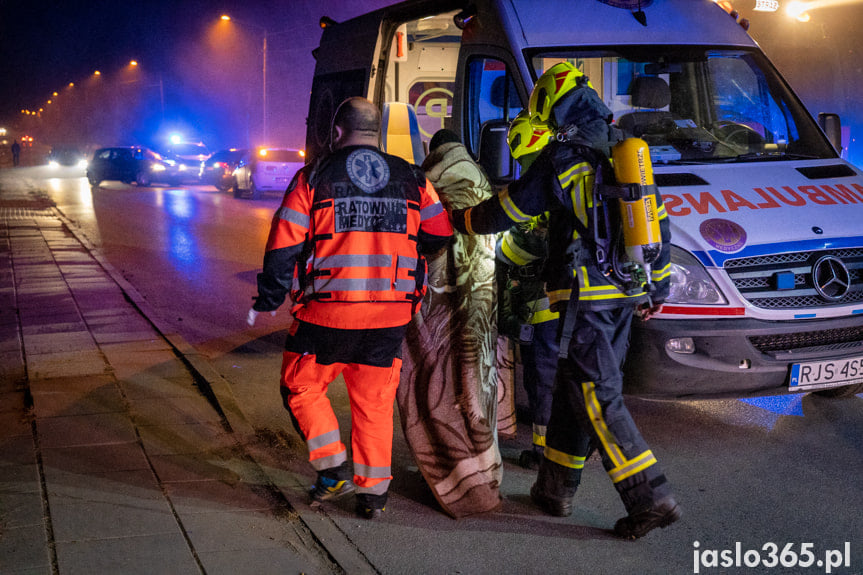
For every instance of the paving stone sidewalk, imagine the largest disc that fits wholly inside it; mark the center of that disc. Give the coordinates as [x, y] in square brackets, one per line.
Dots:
[118, 452]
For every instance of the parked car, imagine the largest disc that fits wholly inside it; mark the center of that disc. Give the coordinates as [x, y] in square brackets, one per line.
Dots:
[218, 169]
[67, 156]
[180, 170]
[266, 169]
[188, 156]
[127, 164]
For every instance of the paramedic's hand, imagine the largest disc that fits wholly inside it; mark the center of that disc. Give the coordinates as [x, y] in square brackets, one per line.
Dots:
[253, 316]
[647, 311]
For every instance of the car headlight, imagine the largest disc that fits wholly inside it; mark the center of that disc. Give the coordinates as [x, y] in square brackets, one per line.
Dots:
[158, 168]
[82, 163]
[53, 164]
[690, 282]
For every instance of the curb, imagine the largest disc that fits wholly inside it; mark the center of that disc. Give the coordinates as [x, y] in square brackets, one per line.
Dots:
[328, 535]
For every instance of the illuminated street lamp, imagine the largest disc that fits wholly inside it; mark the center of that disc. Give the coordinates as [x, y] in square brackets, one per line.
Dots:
[227, 18]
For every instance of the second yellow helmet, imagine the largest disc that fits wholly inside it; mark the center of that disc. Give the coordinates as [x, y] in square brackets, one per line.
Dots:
[525, 137]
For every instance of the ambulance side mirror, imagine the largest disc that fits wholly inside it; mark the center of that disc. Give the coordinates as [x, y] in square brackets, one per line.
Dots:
[494, 155]
[832, 127]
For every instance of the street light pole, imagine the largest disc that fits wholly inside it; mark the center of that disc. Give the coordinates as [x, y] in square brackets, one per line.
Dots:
[264, 127]
[266, 135]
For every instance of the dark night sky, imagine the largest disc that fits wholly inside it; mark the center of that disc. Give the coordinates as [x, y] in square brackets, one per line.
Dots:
[214, 86]
[46, 45]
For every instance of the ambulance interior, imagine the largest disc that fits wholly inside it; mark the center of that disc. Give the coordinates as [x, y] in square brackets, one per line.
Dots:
[691, 104]
[694, 104]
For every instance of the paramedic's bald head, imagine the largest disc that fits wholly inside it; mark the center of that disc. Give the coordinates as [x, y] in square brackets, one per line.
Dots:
[357, 122]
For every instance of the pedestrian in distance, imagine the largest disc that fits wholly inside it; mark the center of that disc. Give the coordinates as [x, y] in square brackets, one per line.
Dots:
[16, 153]
[348, 243]
[587, 405]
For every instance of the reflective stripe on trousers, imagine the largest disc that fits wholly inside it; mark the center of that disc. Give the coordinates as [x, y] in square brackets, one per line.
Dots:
[588, 387]
[372, 392]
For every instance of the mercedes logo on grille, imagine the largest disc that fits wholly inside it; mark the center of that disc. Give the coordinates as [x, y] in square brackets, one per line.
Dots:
[831, 278]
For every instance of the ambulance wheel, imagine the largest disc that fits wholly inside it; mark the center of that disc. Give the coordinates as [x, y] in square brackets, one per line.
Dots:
[254, 192]
[840, 392]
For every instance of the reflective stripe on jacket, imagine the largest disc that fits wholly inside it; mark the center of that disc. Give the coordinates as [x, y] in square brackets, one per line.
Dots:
[561, 181]
[352, 230]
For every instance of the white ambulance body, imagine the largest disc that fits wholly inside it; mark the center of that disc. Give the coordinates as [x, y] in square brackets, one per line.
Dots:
[767, 289]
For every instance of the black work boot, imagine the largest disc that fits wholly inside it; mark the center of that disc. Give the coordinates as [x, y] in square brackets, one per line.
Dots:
[371, 506]
[332, 483]
[530, 458]
[554, 488]
[639, 522]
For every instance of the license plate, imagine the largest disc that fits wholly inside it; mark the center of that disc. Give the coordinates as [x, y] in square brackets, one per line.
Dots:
[281, 180]
[823, 374]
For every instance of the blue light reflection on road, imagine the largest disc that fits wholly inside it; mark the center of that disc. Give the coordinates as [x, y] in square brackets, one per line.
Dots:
[182, 209]
[778, 404]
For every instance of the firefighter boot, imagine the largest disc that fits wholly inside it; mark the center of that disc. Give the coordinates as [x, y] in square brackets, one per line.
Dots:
[554, 488]
[641, 521]
[332, 483]
[371, 506]
[530, 458]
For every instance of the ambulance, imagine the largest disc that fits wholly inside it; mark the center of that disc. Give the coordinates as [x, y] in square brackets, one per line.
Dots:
[766, 217]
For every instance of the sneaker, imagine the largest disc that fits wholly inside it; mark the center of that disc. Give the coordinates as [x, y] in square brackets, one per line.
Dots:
[326, 488]
[556, 506]
[371, 506]
[661, 514]
[529, 459]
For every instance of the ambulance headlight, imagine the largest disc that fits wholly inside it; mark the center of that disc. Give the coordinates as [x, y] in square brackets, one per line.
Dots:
[690, 282]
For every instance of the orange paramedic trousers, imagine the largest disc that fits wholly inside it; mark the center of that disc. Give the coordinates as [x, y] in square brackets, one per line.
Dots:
[372, 392]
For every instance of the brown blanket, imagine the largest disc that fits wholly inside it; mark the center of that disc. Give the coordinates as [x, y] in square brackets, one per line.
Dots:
[448, 393]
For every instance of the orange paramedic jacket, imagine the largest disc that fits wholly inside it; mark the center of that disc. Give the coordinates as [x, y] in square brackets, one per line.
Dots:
[349, 238]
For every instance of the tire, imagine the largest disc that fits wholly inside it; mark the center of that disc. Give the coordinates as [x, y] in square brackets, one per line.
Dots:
[840, 392]
[238, 193]
[94, 181]
[254, 192]
[142, 178]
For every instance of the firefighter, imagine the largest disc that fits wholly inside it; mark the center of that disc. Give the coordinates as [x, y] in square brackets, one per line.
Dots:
[587, 406]
[526, 314]
[348, 242]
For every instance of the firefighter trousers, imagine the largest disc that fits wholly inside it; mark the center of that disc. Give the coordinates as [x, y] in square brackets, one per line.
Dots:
[539, 360]
[372, 392]
[588, 411]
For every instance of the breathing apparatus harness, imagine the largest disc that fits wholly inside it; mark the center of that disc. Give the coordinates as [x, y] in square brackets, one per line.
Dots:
[625, 242]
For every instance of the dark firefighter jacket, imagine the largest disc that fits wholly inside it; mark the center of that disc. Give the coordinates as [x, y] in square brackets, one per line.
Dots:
[561, 181]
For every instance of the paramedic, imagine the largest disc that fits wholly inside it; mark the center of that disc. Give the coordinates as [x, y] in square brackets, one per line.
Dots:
[347, 242]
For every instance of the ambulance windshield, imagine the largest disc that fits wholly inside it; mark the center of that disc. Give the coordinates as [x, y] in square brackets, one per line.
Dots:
[698, 105]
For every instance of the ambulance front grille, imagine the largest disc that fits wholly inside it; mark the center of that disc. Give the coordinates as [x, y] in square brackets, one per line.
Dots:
[756, 279]
[840, 338]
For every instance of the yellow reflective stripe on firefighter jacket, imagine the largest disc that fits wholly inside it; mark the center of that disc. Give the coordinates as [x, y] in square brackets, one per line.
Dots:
[561, 181]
